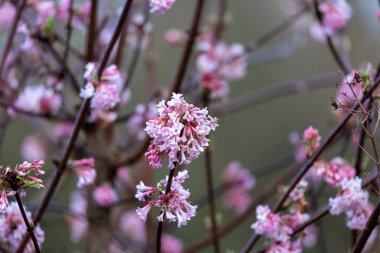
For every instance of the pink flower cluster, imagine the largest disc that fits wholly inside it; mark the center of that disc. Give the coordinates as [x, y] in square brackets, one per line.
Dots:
[335, 16]
[311, 139]
[38, 99]
[13, 228]
[105, 195]
[218, 63]
[85, 169]
[179, 132]
[350, 90]
[160, 6]
[105, 92]
[238, 182]
[352, 200]
[285, 247]
[21, 177]
[335, 172]
[275, 226]
[81, 14]
[174, 205]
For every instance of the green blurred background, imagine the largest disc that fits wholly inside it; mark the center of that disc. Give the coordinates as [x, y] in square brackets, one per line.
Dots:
[255, 135]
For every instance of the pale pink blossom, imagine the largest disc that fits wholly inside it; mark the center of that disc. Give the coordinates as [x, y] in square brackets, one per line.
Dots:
[170, 244]
[285, 247]
[174, 205]
[238, 182]
[63, 130]
[352, 200]
[131, 225]
[310, 236]
[298, 192]
[123, 175]
[13, 228]
[45, 10]
[311, 139]
[105, 92]
[105, 195]
[336, 14]
[338, 170]
[138, 35]
[7, 13]
[160, 6]
[218, 87]
[350, 90]
[178, 133]
[33, 147]
[300, 150]
[142, 114]
[175, 37]
[85, 169]
[38, 99]
[77, 220]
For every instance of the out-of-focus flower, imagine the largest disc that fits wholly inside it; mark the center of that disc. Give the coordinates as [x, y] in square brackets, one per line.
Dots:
[13, 228]
[7, 13]
[175, 37]
[38, 99]
[105, 92]
[350, 90]
[311, 139]
[178, 133]
[142, 114]
[134, 227]
[174, 205]
[160, 6]
[170, 244]
[77, 221]
[338, 170]
[105, 195]
[285, 247]
[33, 147]
[85, 169]
[336, 14]
[238, 182]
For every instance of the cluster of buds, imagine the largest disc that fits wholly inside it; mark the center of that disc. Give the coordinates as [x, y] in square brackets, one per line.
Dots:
[173, 205]
[19, 178]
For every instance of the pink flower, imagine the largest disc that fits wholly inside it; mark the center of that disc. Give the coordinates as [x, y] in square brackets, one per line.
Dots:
[38, 99]
[175, 37]
[267, 222]
[123, 175]
[285, 247]
[352, 200]
[160, 6]
[300, 150]
[336, 14]
[178, 133]
[134, 227]
[174, 205]
[77, 220]
[218, 88]
[318, 32]
[13, 228]
[85, 169]
[350, 90]
[105, 195]
[311, 139]
[310, 236]
[299, 191]
[238, 182]
[170, 244]
[105, 92]
[63, 130]
[275, 226]
[338, 170]
[142, 114]
[45, 10]
[7, 12]
[33, 148]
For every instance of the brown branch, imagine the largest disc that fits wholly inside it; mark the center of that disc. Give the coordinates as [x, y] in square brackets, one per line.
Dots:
[12, 32]
[274, 91]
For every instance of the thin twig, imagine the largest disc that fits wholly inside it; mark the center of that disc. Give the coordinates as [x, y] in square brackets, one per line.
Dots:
[29, 227]
[12, 32]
